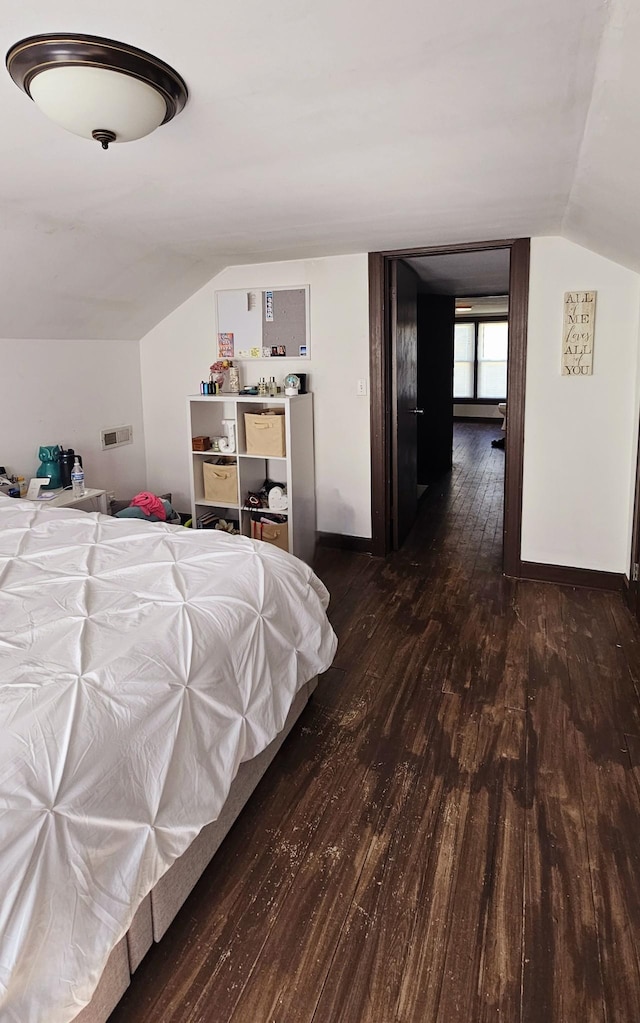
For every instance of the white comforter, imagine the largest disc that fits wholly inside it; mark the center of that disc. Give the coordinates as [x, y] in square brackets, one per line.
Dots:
[139, 666]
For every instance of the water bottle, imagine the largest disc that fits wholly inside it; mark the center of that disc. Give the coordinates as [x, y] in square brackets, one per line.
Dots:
[77, 479]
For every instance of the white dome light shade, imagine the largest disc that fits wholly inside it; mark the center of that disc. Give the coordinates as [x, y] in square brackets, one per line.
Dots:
[88, 99]
[96, 87]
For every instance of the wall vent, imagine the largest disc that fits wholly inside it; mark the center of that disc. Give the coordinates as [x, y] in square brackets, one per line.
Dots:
[117, 437]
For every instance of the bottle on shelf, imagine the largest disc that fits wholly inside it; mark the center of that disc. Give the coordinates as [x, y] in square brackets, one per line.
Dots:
[273, 388]
[77, 479]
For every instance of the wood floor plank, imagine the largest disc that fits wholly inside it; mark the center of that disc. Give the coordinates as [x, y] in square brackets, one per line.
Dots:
[326, 884]
[482, 970]
[562, 975]
[370, 958]
[612, 805]
[444, 815]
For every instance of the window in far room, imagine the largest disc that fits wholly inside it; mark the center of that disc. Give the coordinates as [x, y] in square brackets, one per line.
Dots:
[480, 360]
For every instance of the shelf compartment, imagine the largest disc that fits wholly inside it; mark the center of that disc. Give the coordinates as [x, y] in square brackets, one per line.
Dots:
[265, 458]
[294, 469]
[265, 511]
[218, 454]
[215, 504]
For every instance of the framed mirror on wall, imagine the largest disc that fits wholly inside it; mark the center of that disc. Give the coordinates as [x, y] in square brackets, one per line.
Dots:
[263, 323]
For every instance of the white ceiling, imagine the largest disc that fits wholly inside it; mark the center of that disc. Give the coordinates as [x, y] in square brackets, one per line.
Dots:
[464, 273]
[490, 305]
[316, 128]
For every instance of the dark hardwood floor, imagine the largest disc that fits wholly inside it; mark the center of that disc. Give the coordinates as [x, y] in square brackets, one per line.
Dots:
[452, 831]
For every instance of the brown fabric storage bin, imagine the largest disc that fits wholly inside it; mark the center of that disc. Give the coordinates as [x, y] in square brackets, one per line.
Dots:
[276, 533]
[265, 433]
[220, 482]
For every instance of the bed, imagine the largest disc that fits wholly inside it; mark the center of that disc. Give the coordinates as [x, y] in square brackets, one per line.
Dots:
[148, 674]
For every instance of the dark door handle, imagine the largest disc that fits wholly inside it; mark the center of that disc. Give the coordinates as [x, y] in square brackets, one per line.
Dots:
[417, 411]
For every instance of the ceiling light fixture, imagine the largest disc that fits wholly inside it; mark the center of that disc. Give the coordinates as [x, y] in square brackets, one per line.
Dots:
[464, 308]
[97, 88]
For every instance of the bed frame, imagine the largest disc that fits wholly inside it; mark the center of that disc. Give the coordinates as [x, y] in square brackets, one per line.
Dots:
[156, 912]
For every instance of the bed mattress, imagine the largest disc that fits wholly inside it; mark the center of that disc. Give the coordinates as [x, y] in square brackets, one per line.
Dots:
[140, 665]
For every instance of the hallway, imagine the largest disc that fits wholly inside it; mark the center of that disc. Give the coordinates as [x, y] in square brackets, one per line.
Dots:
[465, 506]
[451, 834]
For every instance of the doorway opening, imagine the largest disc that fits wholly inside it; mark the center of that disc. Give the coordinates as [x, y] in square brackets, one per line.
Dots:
[403, 285]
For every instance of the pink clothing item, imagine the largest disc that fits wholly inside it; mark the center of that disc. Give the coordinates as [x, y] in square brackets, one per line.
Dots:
[150, 505]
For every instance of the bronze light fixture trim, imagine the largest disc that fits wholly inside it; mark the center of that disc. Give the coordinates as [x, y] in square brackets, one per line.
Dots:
[32, 63]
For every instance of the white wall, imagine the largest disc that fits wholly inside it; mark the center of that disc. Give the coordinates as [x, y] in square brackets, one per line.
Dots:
[177, 353]
[477, 412]
[580, 433]
[66, 392]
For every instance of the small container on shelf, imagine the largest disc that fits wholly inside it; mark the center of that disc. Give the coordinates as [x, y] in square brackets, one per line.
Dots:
[200, 443]
[265, 433]
[220, 481]
[274, 530]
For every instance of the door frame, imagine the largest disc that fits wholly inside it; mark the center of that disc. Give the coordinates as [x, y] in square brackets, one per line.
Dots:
[380, 356]
[410, 282]
[633, 589]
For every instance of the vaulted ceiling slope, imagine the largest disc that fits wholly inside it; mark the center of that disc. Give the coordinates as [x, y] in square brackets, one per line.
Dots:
[316, 129]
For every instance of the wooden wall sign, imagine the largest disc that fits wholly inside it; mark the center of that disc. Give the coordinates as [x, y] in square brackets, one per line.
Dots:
[577, 333]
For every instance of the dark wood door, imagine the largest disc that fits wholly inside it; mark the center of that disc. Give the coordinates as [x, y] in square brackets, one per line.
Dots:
[436, 319]
[404, 371]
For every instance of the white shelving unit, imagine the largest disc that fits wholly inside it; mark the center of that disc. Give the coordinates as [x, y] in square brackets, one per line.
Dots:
[296, 468]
